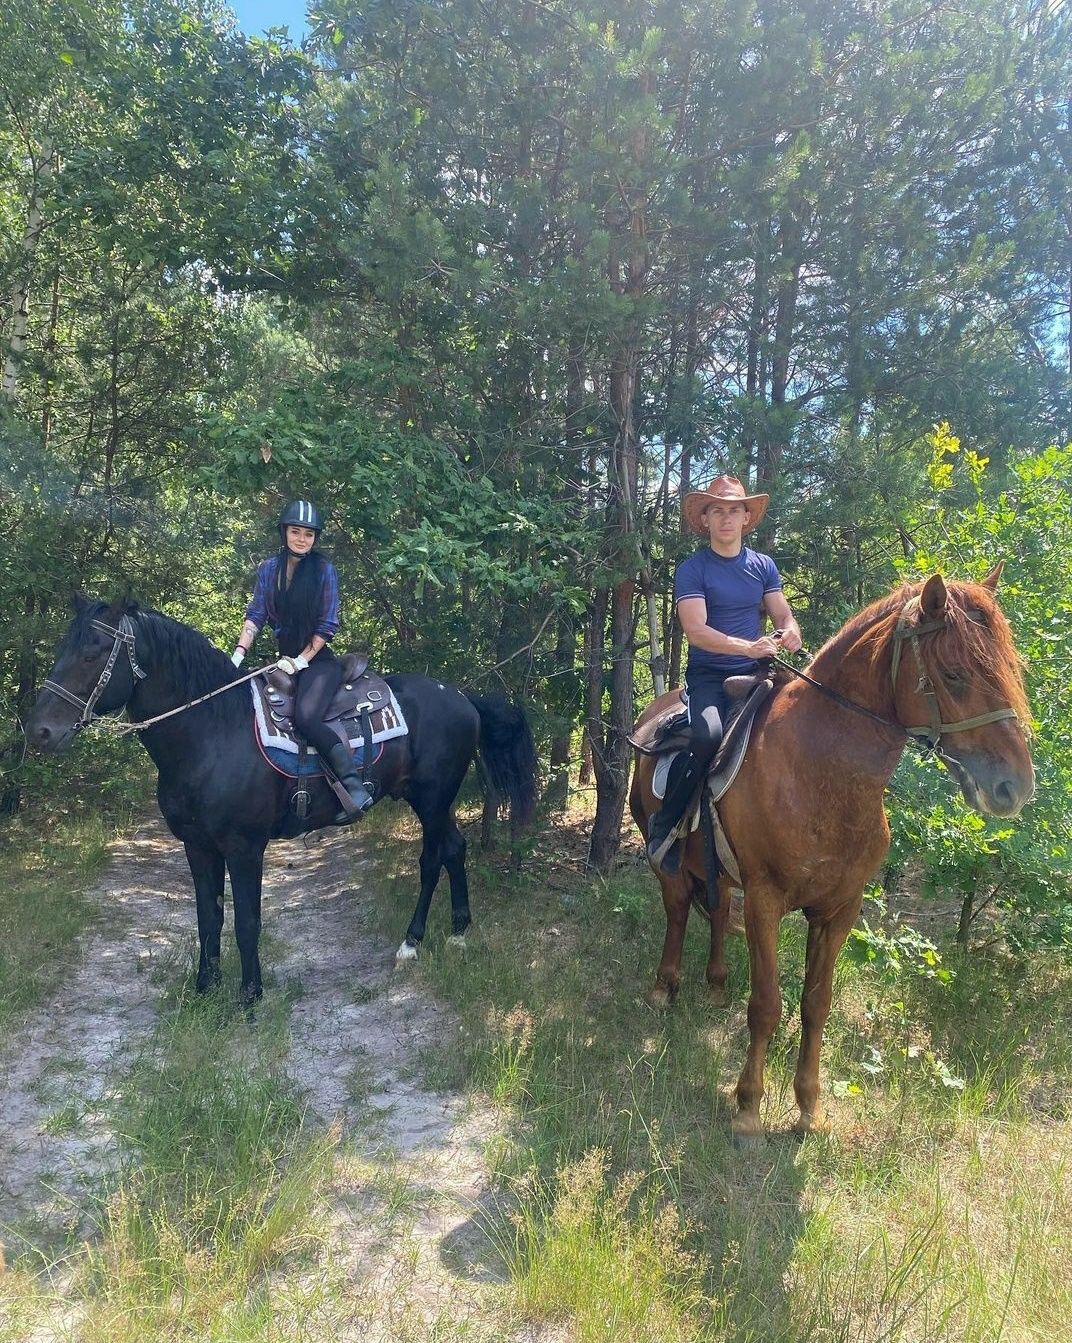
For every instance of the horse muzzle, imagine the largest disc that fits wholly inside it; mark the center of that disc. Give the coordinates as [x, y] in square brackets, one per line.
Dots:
[991, 785]
[49, 738]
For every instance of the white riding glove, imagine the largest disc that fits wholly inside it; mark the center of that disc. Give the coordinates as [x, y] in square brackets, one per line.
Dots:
[292, 665]
[238, 656]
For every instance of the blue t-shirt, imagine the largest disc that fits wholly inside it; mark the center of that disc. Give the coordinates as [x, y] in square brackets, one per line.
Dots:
[734, 590]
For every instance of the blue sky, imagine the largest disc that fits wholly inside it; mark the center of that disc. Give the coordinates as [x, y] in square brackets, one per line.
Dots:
[254, 16]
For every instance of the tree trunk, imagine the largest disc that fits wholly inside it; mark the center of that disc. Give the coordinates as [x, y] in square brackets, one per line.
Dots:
[11, 790]
[20, 292]
[776, 438]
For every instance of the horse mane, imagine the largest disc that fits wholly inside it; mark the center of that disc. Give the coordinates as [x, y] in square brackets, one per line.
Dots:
[987, 648]
[192, 662]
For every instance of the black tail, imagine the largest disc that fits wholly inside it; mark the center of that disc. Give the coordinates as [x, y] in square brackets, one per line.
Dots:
[508, 752]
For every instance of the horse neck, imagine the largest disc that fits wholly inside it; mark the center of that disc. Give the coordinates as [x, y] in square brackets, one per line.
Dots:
[858, 666]
[163, 689]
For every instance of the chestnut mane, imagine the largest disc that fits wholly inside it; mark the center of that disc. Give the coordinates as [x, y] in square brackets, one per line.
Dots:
[982, 647]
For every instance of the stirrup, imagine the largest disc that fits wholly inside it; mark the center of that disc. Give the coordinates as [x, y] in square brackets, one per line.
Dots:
[358, 805]
[664, 853]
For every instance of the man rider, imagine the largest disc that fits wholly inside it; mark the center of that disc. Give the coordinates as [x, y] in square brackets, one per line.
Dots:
[722, 593]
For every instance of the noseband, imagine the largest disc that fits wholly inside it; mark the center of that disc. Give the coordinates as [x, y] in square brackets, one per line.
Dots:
[933, 732]
[124, 638]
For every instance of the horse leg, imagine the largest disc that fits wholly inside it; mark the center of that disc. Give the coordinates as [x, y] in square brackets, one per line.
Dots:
[761, 920]
[454, 862]
[826, 937]
[206, 868]
[246, 866]
[431, 865]
[668, 976]
[717, 971]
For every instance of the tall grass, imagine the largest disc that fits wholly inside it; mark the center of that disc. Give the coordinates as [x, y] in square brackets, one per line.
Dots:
[219, 1188]
[940, 1207]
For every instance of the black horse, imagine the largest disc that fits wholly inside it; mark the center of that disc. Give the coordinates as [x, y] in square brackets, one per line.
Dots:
[225, 802]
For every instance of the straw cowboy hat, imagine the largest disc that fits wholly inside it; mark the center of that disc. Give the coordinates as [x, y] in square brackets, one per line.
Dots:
[722, 487]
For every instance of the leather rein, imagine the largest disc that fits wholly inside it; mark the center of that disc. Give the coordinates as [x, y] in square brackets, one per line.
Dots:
[929, 734]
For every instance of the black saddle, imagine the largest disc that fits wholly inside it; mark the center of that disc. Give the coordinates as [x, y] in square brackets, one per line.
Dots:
[669, 731]
[361, 691]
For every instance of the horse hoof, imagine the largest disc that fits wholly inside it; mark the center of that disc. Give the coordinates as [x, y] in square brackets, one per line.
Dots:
[660, 998]
[457, 941]
[718, 995]
[406, 952]
[747, 1130]
[816, 1122]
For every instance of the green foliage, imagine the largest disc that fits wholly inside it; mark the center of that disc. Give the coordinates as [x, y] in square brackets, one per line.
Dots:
[1022, 868]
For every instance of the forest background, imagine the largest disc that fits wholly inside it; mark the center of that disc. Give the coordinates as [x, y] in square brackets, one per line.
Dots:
[494, 283]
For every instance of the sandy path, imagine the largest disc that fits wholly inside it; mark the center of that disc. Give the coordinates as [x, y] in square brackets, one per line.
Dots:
[411, 1174]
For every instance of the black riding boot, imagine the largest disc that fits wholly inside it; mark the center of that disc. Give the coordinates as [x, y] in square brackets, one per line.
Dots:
[342, 766]
[686, 774]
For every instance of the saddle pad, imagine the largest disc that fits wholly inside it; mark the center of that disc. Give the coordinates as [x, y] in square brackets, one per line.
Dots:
[291, 764]
[388, 722]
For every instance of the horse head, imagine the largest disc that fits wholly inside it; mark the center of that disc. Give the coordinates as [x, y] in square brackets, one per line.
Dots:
[95, 672]
[961, 689]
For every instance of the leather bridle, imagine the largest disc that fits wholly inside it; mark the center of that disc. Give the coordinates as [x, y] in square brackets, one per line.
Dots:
[930, 734]
[124, 638]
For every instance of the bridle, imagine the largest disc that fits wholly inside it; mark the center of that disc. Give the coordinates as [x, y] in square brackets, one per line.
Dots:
[932, 732]
[124, 638]
[929, 734]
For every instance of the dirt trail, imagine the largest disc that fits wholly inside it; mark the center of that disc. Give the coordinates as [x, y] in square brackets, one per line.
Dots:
[55, 1069]
[411, 1174]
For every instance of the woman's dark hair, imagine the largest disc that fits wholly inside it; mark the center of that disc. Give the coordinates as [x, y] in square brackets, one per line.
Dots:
[298, 606]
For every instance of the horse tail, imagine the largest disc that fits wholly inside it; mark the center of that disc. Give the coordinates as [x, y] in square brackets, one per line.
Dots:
[508, 752]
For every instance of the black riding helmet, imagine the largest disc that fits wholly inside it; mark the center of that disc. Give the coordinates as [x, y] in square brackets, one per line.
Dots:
[300, 513]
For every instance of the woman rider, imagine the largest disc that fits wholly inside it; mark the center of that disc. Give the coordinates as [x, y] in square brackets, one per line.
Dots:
[297, 591]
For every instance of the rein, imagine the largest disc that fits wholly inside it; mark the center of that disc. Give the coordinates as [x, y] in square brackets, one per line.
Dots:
[124, 638]
[931, 733]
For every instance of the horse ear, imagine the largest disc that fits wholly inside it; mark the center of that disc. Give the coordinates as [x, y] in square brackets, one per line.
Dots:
[79, 603]
[991, 580]
[122, 606]
[933, 598]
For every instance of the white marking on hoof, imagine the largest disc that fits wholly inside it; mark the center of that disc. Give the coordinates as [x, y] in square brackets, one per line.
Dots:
[457, 941]
[405, 953]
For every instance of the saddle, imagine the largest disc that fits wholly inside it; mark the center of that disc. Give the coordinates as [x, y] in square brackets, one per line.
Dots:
[669, 730]
[668, 733]
[364, 713]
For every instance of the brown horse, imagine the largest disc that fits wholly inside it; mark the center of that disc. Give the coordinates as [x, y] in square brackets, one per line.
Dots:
[805, 817]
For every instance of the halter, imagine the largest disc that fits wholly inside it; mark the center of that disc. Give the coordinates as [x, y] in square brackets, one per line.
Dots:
[124, 638]
[933, 732]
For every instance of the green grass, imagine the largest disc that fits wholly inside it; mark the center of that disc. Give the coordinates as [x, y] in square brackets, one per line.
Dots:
[219, 1187]
[940, 1207]
[43, 909]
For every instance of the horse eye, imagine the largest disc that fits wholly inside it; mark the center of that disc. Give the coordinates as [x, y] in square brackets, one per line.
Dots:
[954, 679]
[976, 615]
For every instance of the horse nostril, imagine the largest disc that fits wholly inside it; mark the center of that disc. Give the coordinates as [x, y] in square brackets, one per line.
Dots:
[42, 735]
[1007, 796]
